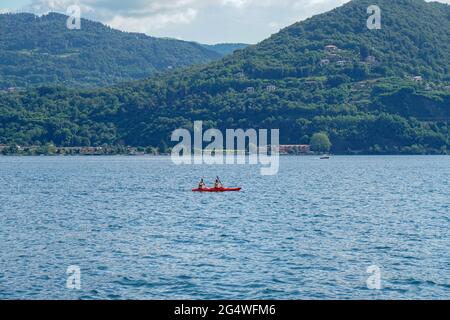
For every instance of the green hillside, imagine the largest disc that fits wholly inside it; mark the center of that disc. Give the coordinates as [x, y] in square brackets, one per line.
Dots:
[362, 92]
[36, 50]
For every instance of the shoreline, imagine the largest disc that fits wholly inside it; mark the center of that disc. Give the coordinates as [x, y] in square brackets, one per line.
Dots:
[168, 155]
[284, 150]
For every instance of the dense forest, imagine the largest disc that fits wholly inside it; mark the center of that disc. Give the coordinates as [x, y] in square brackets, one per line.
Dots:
[36, 50]
[370, 91]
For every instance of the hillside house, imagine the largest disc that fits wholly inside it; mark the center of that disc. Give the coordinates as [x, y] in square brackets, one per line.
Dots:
[295, 149]
[271, 88]
[324, 62]
[371, 60]
[331, 48]
[91, 150]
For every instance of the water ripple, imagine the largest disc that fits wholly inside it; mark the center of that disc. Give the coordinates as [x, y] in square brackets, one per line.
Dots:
[137, 232]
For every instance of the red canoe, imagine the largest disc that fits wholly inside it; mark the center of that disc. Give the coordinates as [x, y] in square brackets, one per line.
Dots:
[216, 189]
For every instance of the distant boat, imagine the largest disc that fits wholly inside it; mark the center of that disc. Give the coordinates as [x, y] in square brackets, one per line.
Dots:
[325, 158]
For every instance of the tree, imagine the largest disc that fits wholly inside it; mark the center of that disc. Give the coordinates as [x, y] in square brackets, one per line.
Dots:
[320, 142]
[47, 149]
[12, 149]
[305, 139]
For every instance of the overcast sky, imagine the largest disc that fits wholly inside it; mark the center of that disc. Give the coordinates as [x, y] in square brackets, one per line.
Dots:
[206, 21]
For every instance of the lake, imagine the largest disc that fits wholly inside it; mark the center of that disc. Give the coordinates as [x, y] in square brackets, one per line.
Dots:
[136, 231]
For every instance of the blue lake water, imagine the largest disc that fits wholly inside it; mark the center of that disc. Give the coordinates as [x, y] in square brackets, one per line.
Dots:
[136, 230]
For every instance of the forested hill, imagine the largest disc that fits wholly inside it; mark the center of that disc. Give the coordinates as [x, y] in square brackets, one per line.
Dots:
[37, 50]
[414, 39]
[371, 91]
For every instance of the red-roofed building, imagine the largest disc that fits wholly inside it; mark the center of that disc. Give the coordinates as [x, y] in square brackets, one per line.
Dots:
[331, 47]
[295, 149]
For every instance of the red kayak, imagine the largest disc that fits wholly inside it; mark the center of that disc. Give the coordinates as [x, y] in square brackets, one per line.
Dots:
[216, 189]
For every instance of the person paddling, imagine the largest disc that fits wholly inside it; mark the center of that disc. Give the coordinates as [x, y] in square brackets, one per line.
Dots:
[218, 184]
[202, 184]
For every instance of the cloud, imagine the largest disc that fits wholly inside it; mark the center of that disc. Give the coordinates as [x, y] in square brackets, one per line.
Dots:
[130, 15]
[200, 20]
[154, 22]
[165, 11]
[134, 8]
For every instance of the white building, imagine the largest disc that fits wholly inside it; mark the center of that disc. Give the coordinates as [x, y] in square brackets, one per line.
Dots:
[331, 47]
[271, 88]
[324, 62]
[371, 60]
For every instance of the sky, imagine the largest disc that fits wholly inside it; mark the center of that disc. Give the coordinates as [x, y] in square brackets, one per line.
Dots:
[205, 21]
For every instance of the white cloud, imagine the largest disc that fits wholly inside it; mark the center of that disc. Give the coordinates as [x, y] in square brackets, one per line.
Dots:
[153, 7]
[200, 20]
[46, 6]
[126, 14]
[151, 23]
[167, 11]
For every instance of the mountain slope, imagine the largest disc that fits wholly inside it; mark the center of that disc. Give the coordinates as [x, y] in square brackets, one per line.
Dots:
[225, 48]
[37, 50]
[414, 39]
[364, 96]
